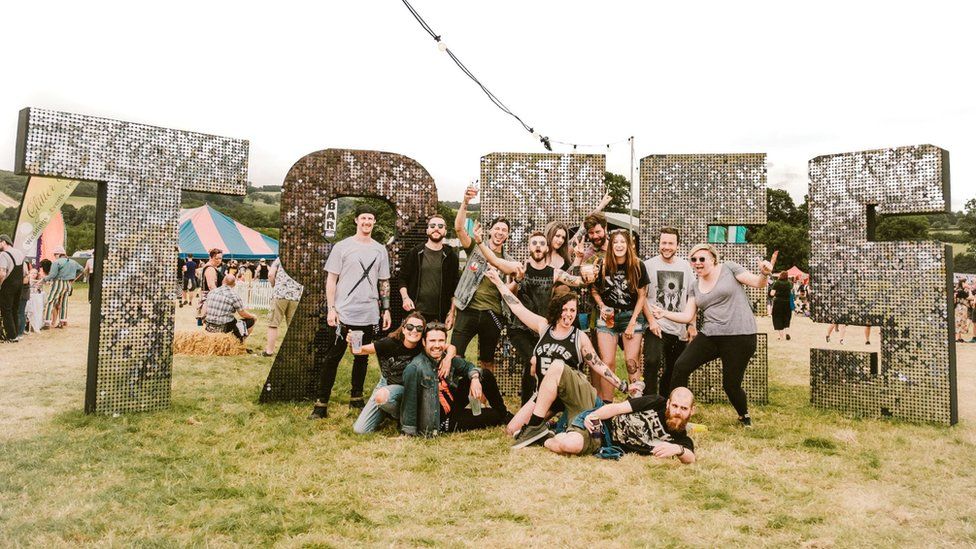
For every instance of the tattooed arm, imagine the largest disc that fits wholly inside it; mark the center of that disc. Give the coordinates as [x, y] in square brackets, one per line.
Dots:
[592, 360]
[563, 277]
[530, 319]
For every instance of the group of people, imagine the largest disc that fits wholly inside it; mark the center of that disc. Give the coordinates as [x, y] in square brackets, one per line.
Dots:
[785, 297]
[566, 309]
[965, 311]
[219, 304]
[34, 296]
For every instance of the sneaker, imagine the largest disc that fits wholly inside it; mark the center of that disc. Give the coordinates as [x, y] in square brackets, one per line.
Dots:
[357, 402]
[320, 411]
[746, 421]
[787, 337]
[841, 341]
[532, 434]
[266, 353]
[867, 342]
[973, 340]
[828, 339]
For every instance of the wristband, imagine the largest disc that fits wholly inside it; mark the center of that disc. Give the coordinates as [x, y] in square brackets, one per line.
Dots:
[681, 453]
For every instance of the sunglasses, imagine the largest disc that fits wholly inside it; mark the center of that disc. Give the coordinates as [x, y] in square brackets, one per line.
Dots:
[413, 327]
[435, 226]
[700, 259]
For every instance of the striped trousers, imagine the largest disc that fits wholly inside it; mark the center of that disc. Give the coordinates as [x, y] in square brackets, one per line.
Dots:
[57, 297]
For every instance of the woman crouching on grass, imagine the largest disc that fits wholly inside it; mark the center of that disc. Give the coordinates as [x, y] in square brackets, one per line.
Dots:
[560, 340]
[393, 352]
[729, 329]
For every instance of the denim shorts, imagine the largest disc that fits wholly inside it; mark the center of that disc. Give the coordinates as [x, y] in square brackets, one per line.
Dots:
[620, 321]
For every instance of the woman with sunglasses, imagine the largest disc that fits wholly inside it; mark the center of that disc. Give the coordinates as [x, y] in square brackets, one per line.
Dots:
[729, 328]
[620, 293]
[393, 352]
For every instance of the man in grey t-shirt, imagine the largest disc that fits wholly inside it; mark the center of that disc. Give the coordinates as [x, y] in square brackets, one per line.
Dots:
[357, 289]
[671, 278]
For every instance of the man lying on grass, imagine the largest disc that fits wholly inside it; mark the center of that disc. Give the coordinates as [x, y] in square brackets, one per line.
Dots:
[435, 399]
[646, 425]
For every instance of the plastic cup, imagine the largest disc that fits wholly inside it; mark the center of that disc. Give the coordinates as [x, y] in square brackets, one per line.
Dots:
[475, 406]
[608, 314]
[356, 340]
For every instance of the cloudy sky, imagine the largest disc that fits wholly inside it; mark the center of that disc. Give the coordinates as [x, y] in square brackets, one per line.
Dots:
[785, 78]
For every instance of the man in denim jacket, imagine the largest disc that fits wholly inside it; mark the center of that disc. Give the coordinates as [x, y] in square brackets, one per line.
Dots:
[436, 401]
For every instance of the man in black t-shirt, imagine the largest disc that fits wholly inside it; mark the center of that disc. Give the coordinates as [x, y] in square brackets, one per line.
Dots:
[430, 275]
[649, 425]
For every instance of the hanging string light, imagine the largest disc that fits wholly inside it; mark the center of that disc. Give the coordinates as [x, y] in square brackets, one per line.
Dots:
[545, 140]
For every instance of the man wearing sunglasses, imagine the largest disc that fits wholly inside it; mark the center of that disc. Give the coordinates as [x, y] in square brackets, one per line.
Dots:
[430, 275]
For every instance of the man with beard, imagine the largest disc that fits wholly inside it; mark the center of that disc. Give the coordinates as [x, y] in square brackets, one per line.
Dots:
[430, 275]
[358, 294]
[591, 253]
[479, 305]
[634, 425]
[671, 277]
[533, 285]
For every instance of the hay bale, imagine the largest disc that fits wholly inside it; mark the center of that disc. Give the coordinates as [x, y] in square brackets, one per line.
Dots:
[204, 343]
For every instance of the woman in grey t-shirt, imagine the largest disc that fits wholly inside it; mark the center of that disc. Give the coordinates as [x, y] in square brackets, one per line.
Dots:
[729, 328]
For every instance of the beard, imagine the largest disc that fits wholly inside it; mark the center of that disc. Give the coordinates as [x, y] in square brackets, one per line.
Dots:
[538, 255]
[675, 424]
[668, 254]
[435, 236]
[598, 242]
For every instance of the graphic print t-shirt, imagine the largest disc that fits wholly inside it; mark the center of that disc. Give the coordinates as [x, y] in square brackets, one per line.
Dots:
[360, 267]
[616, 291]
[669, 290]
[641, 430]
[393, 358]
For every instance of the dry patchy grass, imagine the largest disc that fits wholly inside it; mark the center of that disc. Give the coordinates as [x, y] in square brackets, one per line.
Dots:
[219, 469]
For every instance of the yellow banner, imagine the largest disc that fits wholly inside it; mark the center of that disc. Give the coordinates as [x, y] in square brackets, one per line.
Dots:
[43, 198]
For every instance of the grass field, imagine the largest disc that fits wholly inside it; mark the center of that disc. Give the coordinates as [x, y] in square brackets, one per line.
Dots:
[81, 201]
[218, 469]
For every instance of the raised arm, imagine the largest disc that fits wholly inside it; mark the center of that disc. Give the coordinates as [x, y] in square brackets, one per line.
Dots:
[747, 278]
[530, 319]
[462, 216]
[503, 265]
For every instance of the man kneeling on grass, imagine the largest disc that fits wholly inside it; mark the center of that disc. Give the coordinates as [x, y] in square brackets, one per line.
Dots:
[434, 399]
[647, 425]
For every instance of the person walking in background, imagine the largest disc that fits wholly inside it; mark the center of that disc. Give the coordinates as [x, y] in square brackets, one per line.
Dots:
[729, 328]
[430, 275]
[358, 294]
[210, 280]
[285, 295]
[962, 299]
[782, 292]
[190, 282]
[11, 286]
[64, 272]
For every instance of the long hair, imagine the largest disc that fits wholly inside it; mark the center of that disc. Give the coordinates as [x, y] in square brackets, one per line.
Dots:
[556, 306]
[563, 250]
[631, 264]
[398, 333]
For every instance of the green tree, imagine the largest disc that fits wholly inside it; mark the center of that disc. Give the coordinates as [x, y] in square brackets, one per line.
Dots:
[966, 221]
[902, 228]
[780, 207]
[383, 230]
[792, 241]
[619, 188]
[964, 263]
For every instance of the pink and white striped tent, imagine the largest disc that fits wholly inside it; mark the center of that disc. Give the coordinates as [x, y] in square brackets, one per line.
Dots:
[204, 228]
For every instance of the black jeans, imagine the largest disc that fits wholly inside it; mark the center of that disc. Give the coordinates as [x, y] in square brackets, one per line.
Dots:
[524, 342]
[461, 418]
[735, 352]
[331, 357]
[487, 325]
[660, 351]
[9, 305]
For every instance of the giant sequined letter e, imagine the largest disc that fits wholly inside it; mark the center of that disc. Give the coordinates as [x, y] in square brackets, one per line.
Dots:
[902, 287]
[140, 170]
